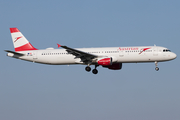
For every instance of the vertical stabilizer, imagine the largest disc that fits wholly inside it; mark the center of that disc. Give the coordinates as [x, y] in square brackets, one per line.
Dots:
[19, 41]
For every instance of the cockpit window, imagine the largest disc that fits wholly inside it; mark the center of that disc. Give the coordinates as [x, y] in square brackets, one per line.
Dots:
[166, 50]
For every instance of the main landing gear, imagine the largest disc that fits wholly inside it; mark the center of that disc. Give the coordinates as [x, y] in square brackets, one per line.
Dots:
[94, 71]
[88, 69]
[156, 64]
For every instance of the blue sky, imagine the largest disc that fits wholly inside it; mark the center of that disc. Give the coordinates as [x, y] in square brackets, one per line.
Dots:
[137, 92]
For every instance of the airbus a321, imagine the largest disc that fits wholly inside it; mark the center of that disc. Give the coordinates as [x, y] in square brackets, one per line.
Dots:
[108, 57]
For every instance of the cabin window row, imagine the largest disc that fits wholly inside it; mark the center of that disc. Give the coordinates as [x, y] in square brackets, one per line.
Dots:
[111, 51]
[94, 52]
[140, 51]
[53, 53]
[87, 52]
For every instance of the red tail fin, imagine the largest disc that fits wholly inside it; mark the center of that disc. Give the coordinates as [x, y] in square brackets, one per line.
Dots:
[19, 41]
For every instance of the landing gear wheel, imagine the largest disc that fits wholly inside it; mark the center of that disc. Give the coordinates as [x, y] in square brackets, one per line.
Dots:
[88, 69]
[95, 71]
[156, 64]
[156, 68]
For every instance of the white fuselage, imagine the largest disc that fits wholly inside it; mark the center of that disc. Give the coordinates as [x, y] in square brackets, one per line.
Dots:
[109, 57]
[119, 55]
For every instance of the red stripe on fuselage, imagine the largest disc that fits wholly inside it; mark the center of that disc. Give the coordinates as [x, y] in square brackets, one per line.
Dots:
[144, 50]
[25, 47]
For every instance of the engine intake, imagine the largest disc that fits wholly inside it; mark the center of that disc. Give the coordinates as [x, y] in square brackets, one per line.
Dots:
[105, 62]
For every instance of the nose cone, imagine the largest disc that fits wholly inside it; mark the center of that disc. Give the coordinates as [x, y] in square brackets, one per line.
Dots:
[173, 55]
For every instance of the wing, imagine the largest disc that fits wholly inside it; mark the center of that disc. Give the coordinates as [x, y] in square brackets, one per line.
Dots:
[84, 56]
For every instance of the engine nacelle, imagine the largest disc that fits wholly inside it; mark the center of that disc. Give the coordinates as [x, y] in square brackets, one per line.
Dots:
[105, 61]
[114, 66]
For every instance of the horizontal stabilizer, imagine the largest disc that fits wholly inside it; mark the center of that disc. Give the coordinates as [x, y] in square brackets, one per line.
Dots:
[15, 53]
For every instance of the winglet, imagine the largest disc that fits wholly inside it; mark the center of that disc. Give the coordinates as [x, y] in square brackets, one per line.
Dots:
[58, 45]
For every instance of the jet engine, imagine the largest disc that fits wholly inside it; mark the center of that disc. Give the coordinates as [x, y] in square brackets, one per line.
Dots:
[114, 66]
[105, 61]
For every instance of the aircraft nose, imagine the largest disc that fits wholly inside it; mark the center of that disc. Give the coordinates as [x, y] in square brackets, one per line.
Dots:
[174, 55]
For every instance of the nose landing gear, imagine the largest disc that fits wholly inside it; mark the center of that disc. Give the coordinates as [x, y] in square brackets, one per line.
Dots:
[156, 64]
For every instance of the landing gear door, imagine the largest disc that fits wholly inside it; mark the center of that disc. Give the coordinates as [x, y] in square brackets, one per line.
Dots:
[155, 51]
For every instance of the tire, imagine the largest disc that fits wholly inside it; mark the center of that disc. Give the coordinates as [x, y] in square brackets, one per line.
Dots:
[156, 68]
[88, 69]
[95, 71]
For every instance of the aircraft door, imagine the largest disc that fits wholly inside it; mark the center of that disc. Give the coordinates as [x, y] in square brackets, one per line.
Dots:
[35, 55]
[155, 51]
[121, 53]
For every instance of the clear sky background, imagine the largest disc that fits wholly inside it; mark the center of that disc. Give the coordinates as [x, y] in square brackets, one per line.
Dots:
[31, 91]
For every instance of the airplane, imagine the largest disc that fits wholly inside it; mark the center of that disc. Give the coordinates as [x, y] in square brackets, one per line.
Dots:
[108, 57]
